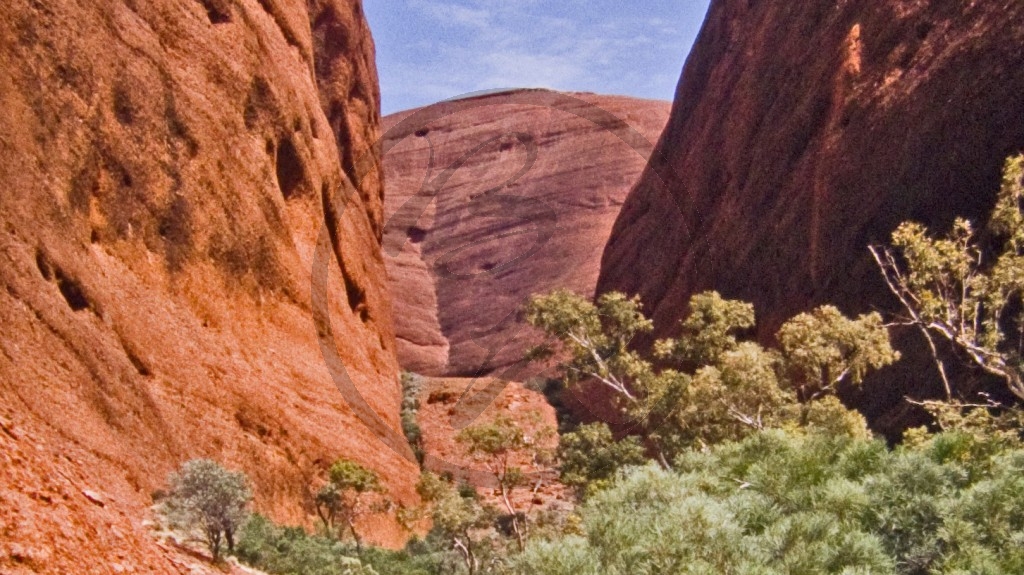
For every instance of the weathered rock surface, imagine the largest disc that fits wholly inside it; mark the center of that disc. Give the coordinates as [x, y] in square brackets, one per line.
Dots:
[167, 167]
[802, 132]
[496, 197]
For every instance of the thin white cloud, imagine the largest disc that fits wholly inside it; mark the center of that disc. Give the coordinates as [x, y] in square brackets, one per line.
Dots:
[451, 13]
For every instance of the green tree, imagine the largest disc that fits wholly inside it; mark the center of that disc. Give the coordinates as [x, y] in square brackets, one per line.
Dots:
[458, 516]
[709, 384]
[347, 496]
[824, 348]
[496, 444]
[709, 331]
[596, 338]
[205, 497]
[590, 457]
[951, 289]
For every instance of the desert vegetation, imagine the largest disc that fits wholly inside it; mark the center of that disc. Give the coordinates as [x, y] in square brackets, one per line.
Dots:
[208, 501]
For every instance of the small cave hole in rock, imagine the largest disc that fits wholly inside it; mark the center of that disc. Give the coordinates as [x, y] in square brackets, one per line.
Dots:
[289, 169]
[124, 111]
[251, 423]
[218, 11]
[906, 59]
[71, 290]
[422, 132]
[416, 234]
[271, 147]
[506, 146]
[356, 298]
[923, 29]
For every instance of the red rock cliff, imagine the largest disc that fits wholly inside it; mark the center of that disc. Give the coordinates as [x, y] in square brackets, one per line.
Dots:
[802, 132]
[167, 167]
[497, 197]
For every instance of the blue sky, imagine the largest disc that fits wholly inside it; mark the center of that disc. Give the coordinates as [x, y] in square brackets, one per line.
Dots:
[430, 50]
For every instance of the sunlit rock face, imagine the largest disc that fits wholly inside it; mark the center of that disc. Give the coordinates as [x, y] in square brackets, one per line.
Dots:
[493, 198]
[803, 131]
[167, 167]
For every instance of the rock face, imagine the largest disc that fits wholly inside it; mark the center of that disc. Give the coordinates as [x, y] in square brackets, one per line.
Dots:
[802, 132]
[167, 168]
[496, 197]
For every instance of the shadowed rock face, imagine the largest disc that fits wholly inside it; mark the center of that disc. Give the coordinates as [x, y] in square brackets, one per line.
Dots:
[804, 131]
[167, 167]
[492, 199]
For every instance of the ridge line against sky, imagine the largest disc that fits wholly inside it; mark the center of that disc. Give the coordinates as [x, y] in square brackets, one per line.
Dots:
[432, 50]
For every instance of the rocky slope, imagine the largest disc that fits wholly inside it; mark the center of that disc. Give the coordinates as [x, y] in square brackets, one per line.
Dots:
[448, 404]
[802, 132]
[492, 198]
[167, 168]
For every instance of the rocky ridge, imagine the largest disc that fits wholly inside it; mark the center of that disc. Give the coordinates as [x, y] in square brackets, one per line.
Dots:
[169, 168]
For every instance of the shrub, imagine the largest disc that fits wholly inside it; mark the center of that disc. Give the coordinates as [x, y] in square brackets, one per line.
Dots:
[411, 387]
[459, 517]
[345, 496]
[590, 457]
[779, 502]
[205, 497]
[953, 290]
[290, 550]
[282, 550]
[495, 444]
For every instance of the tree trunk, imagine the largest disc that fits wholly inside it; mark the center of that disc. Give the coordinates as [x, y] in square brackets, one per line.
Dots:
[355, 536]
[466, 549]
[515, 518]
[213, 542]
[327, 517]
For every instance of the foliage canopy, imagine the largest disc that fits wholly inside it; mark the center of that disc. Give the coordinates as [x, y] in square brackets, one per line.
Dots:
[952, 289]
[709, 384]
[784, 503]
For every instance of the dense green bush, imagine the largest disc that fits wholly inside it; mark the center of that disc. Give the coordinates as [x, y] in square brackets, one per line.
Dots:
[781, 502]
[291, 551]
[590, 457]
